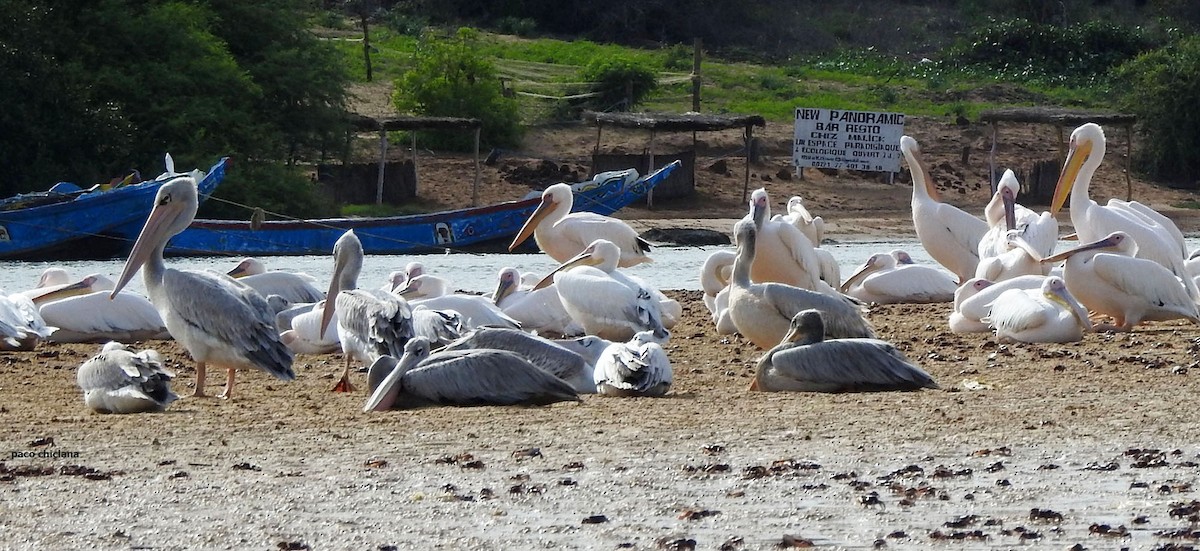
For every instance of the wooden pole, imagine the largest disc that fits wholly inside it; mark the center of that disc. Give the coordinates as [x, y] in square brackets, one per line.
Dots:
[649, 169]
[1128, 161]
[383, 147]
[748, 135]
[475, 186]
[991, 161]
[696, 76]
[416, 180]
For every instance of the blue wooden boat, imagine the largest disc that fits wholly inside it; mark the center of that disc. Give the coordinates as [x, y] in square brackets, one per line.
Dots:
[72, 223]
[462, 229]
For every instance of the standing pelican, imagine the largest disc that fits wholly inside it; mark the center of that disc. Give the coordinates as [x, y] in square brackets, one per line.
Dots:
[804, 361]
[83, 312]
[563, 234]
[217, 319]
[762, 312]
[546, 354]
[973, 301]
[120, 381]
[604, 301]
[784, 254]
[639, 367]
[1106, 277]
[1047, 314]
[1003, 214]
[295, 287]
[1157, 238]
[882, 281]
[370, 323]
[948, 234]
[461, 378]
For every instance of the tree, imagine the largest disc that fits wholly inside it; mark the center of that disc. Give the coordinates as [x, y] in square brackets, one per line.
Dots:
[1162, 88]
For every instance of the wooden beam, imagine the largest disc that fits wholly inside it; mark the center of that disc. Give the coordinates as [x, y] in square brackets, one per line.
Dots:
[383, 147]
[475, 186]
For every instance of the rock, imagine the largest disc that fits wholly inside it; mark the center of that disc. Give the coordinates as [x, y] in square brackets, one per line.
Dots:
[685, 236]
[719, 167]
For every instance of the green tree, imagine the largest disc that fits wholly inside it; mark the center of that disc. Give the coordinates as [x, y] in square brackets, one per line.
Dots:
[1163, 88]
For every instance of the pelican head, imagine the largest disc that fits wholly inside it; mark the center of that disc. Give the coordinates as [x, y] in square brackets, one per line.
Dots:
[509, 282]
[901, 257]
[247, 267]
[552, 198]
[414, 269]
[1087, 143]
[969, 289]
[601, 253]
[347, 264]
[53, 276]
[760, 207]
[1117, 241]
[806, 327]
[1055, 290]
[1008, 194]
[877, 262]
[82, 287]
[389, 371]
[175, 207]
[916, 166]
[396, 280]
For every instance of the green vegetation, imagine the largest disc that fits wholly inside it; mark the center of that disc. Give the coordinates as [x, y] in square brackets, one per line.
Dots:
[1163, 89]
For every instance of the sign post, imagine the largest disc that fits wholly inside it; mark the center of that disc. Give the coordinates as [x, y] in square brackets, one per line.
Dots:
[853, 140]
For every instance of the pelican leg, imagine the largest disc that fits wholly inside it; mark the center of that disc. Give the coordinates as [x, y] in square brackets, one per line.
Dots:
[227, 394]
[201, 371]
[343, 384]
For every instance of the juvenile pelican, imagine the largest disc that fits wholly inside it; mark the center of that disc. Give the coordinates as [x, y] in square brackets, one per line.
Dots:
[1003, 214]
[370, 323]
[546, 354]
[120, 381]
[461, 378]
[973, 301]
[1047, 314]
[762, 312]
[563, 234]
[1106, 277]
[217, 319]
[882, 281]
[476, 310]
[441, 327]
[1157, 238]
[295, 287]
[948, 234]
[805, 362]
[83, 312]
[639, 367]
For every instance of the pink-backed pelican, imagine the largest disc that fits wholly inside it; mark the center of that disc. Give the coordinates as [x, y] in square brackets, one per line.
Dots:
[562, 234]
[218, 320]
[83, 312]
[295, 287]
[804, 361]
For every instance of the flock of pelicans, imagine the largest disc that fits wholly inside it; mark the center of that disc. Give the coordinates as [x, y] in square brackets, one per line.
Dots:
[426, 346]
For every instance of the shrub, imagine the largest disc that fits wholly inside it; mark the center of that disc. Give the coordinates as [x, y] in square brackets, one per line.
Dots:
[621, 82]
[1162, 88]
[273, 187]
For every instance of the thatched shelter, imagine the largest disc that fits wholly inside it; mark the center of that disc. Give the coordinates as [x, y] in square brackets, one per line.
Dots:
[383, 125]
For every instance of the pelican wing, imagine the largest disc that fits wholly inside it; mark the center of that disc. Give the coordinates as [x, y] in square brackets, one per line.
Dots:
[848, 365]
[296, 288]
[382, 320]
[483, 377]
[605, 306]
[1145, 279]
[581, 228]
[95, 318]
[232, 313]
[842, 315]
[1152, 218]
[641, 370]
[117, 376]
[543, 353]
[912, 283]
[441, 327]
[1040, 231]
[1016, 311]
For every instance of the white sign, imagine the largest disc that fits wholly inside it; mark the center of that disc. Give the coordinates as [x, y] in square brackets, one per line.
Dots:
[854, 140]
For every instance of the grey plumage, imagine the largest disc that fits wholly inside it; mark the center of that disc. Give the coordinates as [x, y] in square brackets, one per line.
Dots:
[460, 378]
[120, 381]
[639, 367]
[805, 362]
[441, 327]
[546, 354]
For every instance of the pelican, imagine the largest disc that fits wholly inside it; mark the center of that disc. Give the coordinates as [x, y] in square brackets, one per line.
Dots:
[1018, 259]
[51, 279]
[441, 327]
[762, 311]
[973, 301]
[83, 312]
[639, 367]
[882, 281]
[461, 378]
[370, 323]
[306, 335]
[548, 355]
[1047, 314]
[813, 227]
[1003, 214]
[563, 234]
[422, 286]
[948, 234]
[295, 287]
[476, 310]
[118, 380]
[21, 325]
[1106, 277]
[715, 275]
[537, 310]
[603, 300]
[804, 361]
[1157, 238]
[784, 254]
[217, 319]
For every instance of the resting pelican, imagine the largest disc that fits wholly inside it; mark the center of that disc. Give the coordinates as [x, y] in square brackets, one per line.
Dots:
[217, 319]
[546, 354]
[1106, 277]
[1018, 259]
[639, 367]
[805, 362]
[295, 287]
[948, 234]
[882, 281]
[476, 310]
[441, 327]
[461, 378]
[762, 311]
[370, 323]
[51, 279]
[83, 312]
[715, 276]
[120, 381]
[603, 300]
[813, 227]
[537, 310]
[973, 301]
[306, 334]
[1003, 214]
[1157, 238]
[21, 325]
[784, 254]
[1047, 314]
[563, 234]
